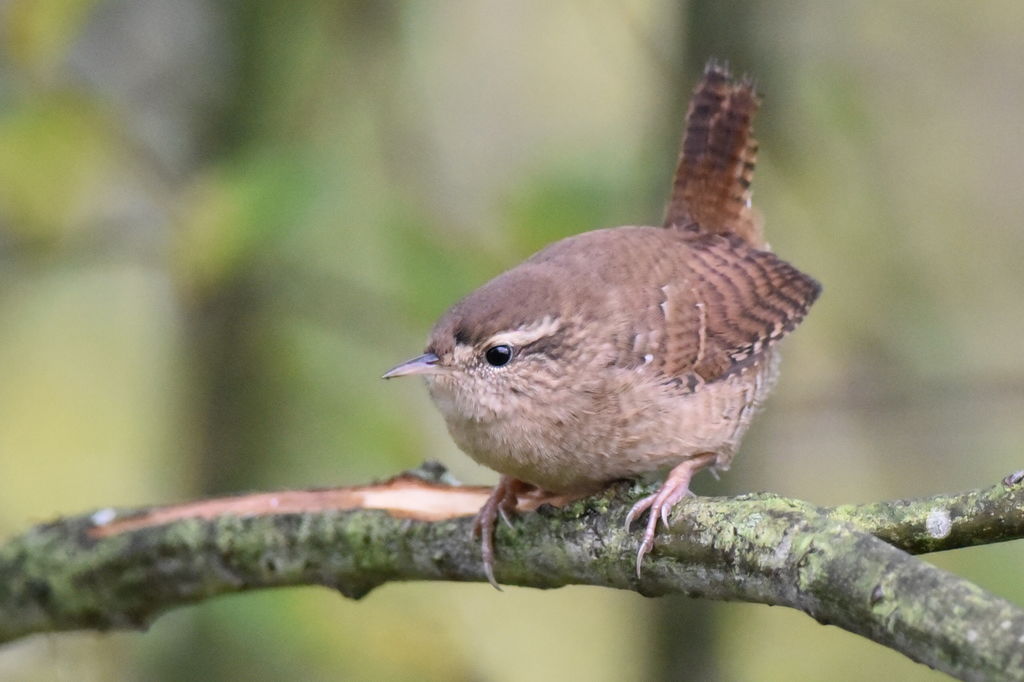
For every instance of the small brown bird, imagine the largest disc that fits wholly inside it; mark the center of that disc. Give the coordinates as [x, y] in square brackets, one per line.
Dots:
[624, 351]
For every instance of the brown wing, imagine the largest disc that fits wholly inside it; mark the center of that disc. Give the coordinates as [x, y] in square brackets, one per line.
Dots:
[726, 304]
[716, 162]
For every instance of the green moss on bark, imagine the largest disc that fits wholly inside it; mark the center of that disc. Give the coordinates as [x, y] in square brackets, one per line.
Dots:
[845, 566]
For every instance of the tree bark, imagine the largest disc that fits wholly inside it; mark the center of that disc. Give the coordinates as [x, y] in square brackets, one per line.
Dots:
[849, 566]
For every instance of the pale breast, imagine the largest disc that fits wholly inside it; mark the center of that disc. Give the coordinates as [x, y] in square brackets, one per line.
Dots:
[649, 427]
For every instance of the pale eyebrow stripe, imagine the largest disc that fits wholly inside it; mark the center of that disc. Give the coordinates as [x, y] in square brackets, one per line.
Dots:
[523, 337]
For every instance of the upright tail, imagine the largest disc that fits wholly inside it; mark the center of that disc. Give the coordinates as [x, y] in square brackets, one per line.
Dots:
[716, 163]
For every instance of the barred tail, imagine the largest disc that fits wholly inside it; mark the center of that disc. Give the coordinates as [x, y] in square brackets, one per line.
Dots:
[716, 163]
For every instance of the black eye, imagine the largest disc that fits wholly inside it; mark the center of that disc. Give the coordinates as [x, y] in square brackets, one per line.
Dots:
[498, 356]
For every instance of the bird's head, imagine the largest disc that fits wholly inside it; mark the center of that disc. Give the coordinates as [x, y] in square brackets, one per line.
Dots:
[498, 351]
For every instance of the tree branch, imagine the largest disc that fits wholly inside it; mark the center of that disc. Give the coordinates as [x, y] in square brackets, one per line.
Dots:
[116, 570]
[942, 522]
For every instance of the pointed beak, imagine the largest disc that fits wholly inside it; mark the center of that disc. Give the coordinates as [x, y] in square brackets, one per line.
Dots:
[428, 363]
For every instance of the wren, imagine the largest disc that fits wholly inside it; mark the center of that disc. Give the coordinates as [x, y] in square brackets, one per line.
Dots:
[624, 351]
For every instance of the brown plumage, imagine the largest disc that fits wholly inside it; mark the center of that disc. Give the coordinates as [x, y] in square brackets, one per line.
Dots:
[716, 162]
[623, 351]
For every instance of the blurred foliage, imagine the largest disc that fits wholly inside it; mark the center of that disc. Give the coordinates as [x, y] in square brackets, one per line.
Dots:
[38, 33]
[221, 221]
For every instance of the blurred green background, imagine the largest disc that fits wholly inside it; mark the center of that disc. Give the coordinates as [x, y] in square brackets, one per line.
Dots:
[221, 221]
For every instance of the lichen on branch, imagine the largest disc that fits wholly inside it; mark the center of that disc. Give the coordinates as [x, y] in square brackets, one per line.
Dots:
[851, 566]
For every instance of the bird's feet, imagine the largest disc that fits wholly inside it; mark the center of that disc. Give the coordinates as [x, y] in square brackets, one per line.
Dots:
[509, 495]
[675, 488]
[502, 501]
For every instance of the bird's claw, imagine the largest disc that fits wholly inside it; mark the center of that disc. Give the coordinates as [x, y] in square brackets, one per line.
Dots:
[501, 503]
[660, 504]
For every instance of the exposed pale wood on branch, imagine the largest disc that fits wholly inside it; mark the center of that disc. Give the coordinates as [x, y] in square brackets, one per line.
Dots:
[121, 569]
